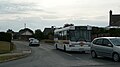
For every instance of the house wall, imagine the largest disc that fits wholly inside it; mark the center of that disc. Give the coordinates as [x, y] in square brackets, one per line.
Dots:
[26, 33]
[25, 37]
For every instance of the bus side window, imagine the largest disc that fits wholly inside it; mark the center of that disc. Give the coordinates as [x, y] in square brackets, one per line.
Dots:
[68, 33]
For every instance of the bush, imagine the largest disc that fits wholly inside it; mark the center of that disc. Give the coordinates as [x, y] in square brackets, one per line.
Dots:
[49, 41]
[5, 37]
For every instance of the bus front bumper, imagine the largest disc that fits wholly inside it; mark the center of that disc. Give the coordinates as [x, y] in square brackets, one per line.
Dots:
[78, 49]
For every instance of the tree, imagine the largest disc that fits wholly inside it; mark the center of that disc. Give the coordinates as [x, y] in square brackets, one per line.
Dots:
[67, 25]
[5, 36]
[10, 31]
[38, 34]
[114, 32]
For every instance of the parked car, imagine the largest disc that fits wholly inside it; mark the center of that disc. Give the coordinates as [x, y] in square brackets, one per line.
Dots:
[34, 42]
[30, 39]
[106, 47]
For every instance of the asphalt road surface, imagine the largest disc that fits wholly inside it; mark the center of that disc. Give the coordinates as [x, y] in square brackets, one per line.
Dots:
[47, 56]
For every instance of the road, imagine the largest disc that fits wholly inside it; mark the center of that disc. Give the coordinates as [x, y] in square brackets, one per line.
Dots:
[47, 56]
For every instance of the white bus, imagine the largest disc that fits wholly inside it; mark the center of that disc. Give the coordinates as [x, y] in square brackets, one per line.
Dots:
[72, 38]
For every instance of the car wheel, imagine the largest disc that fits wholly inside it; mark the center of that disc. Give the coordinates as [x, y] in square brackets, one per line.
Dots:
[64, 48]
[116, 57]
[93, 54]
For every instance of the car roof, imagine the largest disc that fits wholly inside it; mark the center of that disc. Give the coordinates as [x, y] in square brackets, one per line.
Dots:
[107, 37]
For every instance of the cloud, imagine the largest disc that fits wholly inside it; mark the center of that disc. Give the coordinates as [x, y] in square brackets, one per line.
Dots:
[38, 23]
[13, 8]
[14, 11]
[44, 13]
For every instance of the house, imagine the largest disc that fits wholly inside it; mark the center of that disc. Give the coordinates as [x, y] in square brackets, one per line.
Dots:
[114, 19]
[49, 33]
[25, 33]
[16, 35]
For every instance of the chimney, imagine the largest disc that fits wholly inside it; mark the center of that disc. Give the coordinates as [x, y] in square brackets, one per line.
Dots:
[110, 18]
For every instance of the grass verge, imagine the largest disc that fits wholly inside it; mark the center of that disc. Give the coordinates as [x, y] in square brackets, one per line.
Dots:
[48, 41]
[6, 47]
[11, 57]
[2, 58]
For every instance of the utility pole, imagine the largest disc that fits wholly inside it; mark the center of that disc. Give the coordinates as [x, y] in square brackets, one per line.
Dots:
[25, 31]
[25, 25]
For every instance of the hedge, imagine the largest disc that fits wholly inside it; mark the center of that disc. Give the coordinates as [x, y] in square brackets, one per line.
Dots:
[49, 41]
[5, 36]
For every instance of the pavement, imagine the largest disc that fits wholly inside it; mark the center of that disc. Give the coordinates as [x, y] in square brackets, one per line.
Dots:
[21, 51]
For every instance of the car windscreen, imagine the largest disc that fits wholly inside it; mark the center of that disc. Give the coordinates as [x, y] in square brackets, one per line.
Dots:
[115, 41]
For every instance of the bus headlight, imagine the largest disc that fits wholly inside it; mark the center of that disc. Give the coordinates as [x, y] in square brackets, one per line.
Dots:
[82, 43]
[71, 45]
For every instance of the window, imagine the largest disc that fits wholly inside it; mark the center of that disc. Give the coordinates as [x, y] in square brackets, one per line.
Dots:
[56, 35]
[106, 42]
[62, 35]
[94, 42]
[116, 41]
[99, 41]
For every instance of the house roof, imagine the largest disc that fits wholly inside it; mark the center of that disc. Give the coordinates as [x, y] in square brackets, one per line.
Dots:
[10, 31]
[22, 31]
[47, 31]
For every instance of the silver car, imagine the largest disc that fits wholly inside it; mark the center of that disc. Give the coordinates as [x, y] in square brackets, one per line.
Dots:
[106, 47]
[34, 42]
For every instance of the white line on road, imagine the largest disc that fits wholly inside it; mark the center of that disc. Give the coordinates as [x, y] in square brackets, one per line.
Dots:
[78, 58]
[68, 54]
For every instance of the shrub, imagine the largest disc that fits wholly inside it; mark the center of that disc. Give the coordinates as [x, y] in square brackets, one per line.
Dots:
[5, 37]
[49, 41]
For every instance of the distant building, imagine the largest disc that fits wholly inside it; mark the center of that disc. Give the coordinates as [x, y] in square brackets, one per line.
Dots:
[114, 19]
[16, 35]
[49, 33]
[25, 34]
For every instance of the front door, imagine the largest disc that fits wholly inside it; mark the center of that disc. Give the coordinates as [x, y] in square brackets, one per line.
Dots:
[106, 49]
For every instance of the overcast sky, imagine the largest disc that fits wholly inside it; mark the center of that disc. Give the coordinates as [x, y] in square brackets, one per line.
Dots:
[38, 14]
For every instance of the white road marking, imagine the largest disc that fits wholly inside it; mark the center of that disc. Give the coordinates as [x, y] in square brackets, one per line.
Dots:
[69, 54]
[78, 58]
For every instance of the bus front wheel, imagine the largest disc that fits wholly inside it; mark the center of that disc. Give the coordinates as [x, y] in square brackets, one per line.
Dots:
[64, 48]
[56, 46]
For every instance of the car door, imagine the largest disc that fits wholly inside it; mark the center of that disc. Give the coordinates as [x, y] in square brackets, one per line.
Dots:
[106, 49]
[97, 46]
